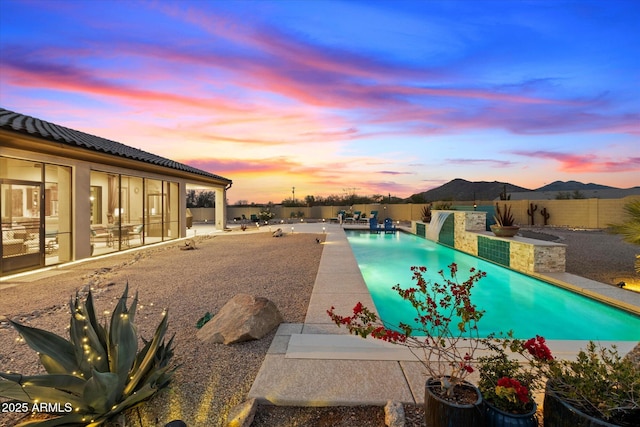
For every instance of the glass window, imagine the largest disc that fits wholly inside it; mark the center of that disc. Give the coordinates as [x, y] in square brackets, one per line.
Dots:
[172, 219]
[104, 205]
[57, 214]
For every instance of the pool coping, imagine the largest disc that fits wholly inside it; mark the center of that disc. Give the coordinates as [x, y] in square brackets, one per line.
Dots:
[318, 364]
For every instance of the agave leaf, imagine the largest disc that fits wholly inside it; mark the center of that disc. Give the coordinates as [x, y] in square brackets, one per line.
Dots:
[91, 316]
[53, 367]
[141, 355]
[51, 345]
[12, 390]
[86, 341]
[123, 349]
[101, 391]
[148, 360]
[144, 393]
[123, 341]
[133, 308]
[32, 393]
[68, 383]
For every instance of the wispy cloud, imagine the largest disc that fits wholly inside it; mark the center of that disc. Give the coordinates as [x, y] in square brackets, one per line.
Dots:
[584, 162]
[481, 162]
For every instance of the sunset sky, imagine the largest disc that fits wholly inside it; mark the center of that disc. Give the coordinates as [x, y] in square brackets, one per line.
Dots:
[372, 97]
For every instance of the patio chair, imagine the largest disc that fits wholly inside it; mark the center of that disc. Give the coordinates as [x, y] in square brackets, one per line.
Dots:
[389, 226]
[355, 217]
[373, 225]
[101, 234]
[136, 230]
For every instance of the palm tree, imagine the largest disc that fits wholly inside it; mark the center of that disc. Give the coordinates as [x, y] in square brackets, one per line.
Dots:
[630, 229]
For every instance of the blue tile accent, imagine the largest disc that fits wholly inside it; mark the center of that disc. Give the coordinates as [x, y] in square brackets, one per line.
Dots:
[494, 250]
[421, 229]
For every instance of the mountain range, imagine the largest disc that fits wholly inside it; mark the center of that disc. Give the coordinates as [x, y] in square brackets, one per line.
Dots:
[461, 189]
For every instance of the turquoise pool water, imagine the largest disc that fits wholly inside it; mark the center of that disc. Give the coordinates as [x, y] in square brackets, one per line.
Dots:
[512, 300]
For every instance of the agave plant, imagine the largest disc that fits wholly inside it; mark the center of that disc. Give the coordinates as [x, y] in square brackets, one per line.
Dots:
[98, 372]
[504, 218]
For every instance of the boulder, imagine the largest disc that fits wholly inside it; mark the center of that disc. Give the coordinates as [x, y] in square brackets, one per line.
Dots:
[243, 318]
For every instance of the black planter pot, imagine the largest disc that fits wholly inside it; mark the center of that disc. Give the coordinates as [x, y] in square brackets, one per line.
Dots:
[495, 417]
[558, 413]
[439, 412]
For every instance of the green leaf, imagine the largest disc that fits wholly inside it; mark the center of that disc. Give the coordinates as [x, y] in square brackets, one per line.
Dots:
[123, 341]
[83, 334]
[147, 362]
[101, 391]
[68, 383]
[33, 393]
[51, 345]
[133, 307]
[100, 331]
[140, 395]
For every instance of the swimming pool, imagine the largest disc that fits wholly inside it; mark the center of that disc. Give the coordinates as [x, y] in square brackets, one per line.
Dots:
[512, 300]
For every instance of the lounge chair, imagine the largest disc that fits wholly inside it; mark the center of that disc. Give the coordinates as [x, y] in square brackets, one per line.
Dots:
[373, 225]
[355, 217]
[340, 218]
[389, 226]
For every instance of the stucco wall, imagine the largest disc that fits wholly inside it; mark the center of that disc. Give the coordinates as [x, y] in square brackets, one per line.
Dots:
[578, 213]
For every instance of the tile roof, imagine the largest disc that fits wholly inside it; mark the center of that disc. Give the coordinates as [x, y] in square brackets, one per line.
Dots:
[20, 123]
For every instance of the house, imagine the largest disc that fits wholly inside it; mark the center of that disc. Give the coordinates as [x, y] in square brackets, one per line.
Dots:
[67, 195]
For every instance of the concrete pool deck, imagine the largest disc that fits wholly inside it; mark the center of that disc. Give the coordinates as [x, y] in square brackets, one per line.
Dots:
[318, 364]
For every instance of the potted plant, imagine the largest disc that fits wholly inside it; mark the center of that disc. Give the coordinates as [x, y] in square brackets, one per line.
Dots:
[599, 388]
[444, 339]
[507, 383]
[505, 223]
[426, 213]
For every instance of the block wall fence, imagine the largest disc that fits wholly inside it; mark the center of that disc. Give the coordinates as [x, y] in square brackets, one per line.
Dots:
[577, 213]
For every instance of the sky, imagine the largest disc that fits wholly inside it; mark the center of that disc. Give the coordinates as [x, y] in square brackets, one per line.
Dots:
[340, 97]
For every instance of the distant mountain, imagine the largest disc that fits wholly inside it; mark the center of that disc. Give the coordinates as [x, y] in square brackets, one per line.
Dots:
[460, 189]
[463, 190]
[573, 186]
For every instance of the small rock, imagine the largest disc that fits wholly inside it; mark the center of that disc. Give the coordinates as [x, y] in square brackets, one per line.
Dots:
[242, 415]
[394, 414]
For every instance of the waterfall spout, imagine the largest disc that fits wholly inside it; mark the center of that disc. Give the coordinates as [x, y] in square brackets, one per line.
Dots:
[437, 220]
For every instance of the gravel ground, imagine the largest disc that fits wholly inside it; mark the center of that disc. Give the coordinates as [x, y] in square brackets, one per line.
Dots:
[212, 379]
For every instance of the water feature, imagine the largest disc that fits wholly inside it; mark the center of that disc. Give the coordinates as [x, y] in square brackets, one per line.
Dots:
[511, 300]
[435, 225]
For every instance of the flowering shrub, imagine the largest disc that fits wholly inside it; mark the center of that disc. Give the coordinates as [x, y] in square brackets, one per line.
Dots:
[447, 336]
[505, 382]
[600, 383]
[512, 391]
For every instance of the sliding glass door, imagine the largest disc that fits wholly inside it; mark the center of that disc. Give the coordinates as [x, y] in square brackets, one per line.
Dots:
[22, 237]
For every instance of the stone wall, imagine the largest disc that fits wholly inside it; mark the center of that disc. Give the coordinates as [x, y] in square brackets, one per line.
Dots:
[518, 253]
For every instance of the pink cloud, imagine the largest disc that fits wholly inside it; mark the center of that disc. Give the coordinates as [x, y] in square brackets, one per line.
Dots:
[577, 163]
[487, 162]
